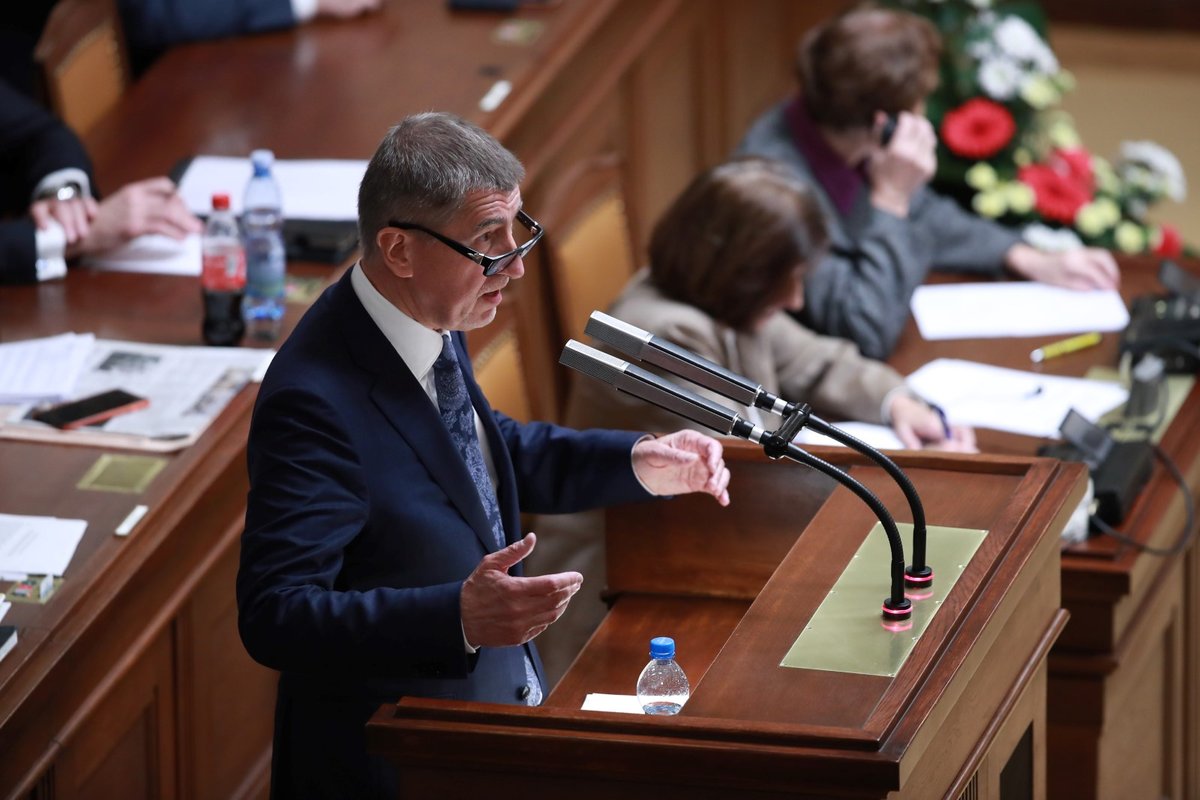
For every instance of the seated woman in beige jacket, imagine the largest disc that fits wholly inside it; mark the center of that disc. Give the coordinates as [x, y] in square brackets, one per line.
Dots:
[727, 261]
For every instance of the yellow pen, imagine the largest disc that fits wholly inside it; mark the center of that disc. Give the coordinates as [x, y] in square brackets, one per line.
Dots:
[1062, 348]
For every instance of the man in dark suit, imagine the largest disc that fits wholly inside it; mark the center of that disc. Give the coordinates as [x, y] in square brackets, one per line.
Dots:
[47, 211]
[382, 544]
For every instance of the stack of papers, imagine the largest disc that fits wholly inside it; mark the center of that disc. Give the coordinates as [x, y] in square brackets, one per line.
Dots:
[187, 387]
[1011, 400]
[1021, 308]
[42, 370]
[37, 545]
[152, 252]
[324, 189]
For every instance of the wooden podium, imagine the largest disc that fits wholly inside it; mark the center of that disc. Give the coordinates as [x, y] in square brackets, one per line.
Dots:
[964, 716]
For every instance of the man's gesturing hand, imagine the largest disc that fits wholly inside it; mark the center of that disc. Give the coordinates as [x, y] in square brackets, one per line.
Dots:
[499, 610]
[684, 461]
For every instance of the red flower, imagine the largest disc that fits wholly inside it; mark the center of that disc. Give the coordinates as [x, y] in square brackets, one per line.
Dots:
[1170, 244]
[1057, 196]
[1077, 165]
[978, 128]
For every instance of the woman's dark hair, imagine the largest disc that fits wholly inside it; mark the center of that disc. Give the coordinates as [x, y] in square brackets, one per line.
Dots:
[866, 60]
[730, 242]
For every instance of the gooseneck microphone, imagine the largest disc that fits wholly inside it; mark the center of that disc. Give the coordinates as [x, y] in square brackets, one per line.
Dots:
[667, 395]
[645, 346]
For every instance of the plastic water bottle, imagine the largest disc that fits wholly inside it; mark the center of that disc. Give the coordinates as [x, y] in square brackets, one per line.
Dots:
[222, 276]
[662, 688]
[262, 225]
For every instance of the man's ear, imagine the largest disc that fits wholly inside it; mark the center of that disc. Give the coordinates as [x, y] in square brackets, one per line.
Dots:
[395, 251]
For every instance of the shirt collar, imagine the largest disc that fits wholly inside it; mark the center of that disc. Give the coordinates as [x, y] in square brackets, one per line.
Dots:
[842, 182]
[416, 345]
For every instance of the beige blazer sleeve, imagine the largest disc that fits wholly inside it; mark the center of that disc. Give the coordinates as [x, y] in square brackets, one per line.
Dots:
[784, 357]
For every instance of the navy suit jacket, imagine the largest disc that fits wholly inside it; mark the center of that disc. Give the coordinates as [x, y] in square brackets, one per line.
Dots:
[33, 143]
[152, 26]
[362, 524]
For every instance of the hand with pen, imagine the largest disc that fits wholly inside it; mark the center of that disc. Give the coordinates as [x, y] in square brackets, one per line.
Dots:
[920, 425]
[148, 206]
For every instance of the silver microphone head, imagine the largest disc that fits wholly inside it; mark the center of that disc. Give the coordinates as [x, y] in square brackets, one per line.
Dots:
[592, 362]
[629, 339]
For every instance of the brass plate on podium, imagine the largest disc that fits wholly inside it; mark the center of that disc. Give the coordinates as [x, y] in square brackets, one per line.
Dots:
[848, 633]
[127, 474]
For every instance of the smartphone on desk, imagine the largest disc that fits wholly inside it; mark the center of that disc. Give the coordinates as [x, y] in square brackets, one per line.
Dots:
[90, 410]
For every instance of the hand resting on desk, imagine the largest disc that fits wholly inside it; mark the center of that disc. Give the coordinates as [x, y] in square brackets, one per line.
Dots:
[1080, 268]
[149, 206]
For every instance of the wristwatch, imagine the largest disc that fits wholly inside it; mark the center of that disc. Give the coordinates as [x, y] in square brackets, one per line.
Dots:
[68, 191]
[64, 192]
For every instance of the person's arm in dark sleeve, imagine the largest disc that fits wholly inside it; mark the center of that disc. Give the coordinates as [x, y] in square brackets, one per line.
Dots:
[33, 144]
[159, 24]
[561, 470]
[18, 251]
[862, 293]
[962, 241]
[307, 504]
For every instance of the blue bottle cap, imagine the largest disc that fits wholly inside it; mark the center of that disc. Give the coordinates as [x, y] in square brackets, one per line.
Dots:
[262, 160]
[662, 647]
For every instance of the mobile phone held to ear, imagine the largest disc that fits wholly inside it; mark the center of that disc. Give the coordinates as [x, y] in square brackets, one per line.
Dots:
[888, 130]
[90, 410]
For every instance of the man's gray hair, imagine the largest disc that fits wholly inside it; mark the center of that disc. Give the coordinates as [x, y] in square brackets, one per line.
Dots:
[424, 169]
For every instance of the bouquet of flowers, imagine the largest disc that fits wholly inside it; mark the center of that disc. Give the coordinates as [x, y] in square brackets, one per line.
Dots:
[1007, 150]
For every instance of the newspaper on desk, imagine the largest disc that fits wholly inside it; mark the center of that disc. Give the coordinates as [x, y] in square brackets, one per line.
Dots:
[187, 388]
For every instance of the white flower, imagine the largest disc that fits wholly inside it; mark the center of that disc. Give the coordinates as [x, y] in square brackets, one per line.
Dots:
[1161, 162]
[1016, 38]
[1051, 240]
[981, 3]
[1000, 78]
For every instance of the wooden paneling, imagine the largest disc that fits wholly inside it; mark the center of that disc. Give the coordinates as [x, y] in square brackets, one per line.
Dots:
[127, 748]
[1151, 14]
[226, 701]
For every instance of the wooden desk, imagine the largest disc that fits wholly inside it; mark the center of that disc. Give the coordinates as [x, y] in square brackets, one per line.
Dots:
[963, 717]
[131, 681]
[1124, 713]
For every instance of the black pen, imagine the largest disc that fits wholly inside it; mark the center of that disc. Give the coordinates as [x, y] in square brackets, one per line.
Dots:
[942, 415]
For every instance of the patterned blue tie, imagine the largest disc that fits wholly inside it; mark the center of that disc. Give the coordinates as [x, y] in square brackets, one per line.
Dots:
[454, 404]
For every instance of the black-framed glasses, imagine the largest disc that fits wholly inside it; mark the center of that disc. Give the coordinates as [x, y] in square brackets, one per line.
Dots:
[491, 264]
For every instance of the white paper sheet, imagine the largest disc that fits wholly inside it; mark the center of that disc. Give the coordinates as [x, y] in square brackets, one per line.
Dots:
[39, 370]
[1011, 400]
[621, 703]
[38, 545]
[881, 437]
[324, 189]
[1021, 308]
[152, 253]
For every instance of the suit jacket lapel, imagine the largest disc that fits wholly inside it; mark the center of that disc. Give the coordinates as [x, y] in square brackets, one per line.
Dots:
[402, 400]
